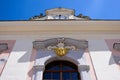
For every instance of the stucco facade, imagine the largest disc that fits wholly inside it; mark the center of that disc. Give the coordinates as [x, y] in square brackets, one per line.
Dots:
[27, 47]
[100, 61]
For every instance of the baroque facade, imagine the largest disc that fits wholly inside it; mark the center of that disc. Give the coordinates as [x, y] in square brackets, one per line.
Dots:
[60, 46]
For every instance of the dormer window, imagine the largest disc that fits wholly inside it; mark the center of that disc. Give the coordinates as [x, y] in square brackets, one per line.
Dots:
[56, 17]
[59, 14]
[60, 17]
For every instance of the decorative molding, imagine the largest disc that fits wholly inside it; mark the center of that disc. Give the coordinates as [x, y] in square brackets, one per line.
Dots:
[60, 9]
[60, 42]
[37, 17]
[116, 46]
[60, 12]
[3, 46]
[83, 67]
[39, 67]
[82, 16]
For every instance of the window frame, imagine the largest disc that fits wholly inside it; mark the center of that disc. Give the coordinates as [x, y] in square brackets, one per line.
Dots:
[62, 63]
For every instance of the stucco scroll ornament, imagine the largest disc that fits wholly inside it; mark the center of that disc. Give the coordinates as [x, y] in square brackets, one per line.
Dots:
[60, 49]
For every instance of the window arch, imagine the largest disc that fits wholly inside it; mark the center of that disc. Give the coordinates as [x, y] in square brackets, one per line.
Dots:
[61, 70]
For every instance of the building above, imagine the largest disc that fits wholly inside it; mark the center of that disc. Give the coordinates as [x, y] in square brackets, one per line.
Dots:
[60, 14]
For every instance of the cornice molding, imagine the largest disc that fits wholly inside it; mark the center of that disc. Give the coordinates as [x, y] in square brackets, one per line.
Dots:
[49, 26]
[59, 26]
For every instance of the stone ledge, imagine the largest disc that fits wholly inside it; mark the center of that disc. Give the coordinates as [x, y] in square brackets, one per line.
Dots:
[39, 67]
[84, 67]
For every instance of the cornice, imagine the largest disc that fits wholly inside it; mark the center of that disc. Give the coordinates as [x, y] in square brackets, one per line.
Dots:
[60, 26]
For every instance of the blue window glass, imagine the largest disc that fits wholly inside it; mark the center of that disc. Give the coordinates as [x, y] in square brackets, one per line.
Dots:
[66, 76]
[67, 68]
[47, 75]
[54, 68]
[74, 76]
[56, 76]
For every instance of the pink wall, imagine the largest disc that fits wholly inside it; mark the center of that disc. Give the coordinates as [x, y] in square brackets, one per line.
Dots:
[6, 53]
[89, 60]
[32, 60]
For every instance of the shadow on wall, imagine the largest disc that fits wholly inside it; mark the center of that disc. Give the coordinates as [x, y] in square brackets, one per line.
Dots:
[113, 45]
[114, 59]
[26, 57]
[47, 54]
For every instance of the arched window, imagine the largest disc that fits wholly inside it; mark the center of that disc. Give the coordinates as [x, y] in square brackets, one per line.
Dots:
[61, 70]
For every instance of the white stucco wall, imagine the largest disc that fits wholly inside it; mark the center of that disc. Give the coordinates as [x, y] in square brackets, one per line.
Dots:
[18, 62]
[100, 55]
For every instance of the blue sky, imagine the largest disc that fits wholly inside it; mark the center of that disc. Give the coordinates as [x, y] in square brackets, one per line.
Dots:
[24, 9]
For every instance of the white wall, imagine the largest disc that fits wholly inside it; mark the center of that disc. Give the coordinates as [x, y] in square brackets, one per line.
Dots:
[18, 62]
[100, 55]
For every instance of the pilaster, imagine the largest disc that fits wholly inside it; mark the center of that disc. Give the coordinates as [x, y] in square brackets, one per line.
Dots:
[39, 69]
